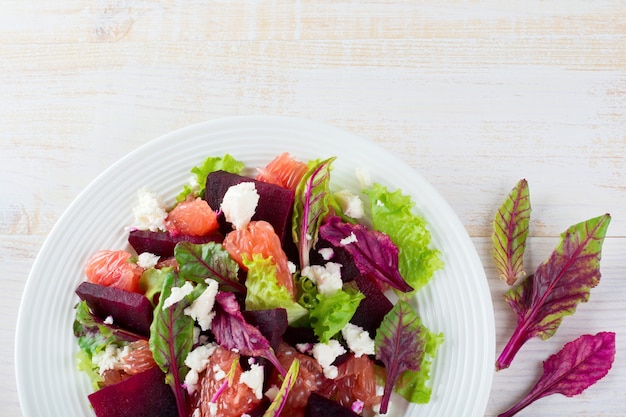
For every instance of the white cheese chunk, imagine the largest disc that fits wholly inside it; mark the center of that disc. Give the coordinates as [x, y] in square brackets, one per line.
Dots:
[358, 340]
[239, 204]
[197, 361]
[327, 277]
[149, 212]
[201, 309]
[350, 203]
[364, 177]
[348, 239]
[178, 293]
[147, 260]
[326, 253]
[253, 378]
[325, 354]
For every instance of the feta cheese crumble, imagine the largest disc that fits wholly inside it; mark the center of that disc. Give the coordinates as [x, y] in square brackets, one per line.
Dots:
[327, 277]
[147, 260]
[325, 354]
[109, 358]
[201, 310]
[364, 177]
[197, 361]
[108, 320]
[358, 340]
[326, 253]
[348, 239]
[178, 293]
[350, 203]
[253, 378]
[149, 212]
[239, 204]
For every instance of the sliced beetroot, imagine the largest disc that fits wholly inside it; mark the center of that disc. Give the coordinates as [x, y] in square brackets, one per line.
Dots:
[296, 335]
[163, 243]
[142, 395]
[373, 308]
[272, 323]
[130, 311]
[318, 405]
[275, 202]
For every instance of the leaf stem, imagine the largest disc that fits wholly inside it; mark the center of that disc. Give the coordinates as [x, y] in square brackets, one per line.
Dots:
[518, 407]
[517, 340]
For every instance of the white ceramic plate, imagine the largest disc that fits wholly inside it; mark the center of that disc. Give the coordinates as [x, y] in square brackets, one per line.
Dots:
[457, 302]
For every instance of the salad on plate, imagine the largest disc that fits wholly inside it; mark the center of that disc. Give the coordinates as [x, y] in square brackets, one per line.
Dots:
[260, 293]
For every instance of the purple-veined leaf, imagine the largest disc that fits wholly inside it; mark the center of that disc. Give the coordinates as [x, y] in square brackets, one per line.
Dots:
[171, 339]
[375, 255]
[565, 279]
[232, 332]
[208, 260]
[510, 230]
[276, 407]
[311, 206]
[580, 364]
[399, 344]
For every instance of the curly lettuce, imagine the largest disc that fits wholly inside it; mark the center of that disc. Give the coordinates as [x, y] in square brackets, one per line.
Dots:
[393, 214]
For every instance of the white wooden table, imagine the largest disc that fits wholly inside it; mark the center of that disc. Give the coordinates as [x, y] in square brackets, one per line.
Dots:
[474, 95]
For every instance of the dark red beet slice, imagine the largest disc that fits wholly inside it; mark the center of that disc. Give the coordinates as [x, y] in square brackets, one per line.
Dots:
[163, 243]
[373, 308]
[275, 202]
[129, 310]
[319, 405]
[272, 323]
[142, 395]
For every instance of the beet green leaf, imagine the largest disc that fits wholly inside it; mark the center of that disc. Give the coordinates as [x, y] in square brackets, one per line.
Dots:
[580, 364]
[399, 344]
[375, 255]
[171, 338]
[510, 230]
[276, 407]
[233, 332]
[311, 206]
[197, 262]
[565, 279]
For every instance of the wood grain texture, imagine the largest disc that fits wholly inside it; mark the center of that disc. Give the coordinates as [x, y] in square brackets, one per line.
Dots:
[473, 95]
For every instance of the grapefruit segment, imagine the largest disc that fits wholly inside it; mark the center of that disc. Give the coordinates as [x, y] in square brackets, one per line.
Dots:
[284, 170]
[113, 268]
[192, 217]
[259, 238]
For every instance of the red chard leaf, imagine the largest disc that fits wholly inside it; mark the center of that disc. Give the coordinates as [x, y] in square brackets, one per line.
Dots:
[375, 255]
[311, 206]
[575, 368]
[510, 230]
[171, 337]
[559, 284]
[233, 332]
[399, 344]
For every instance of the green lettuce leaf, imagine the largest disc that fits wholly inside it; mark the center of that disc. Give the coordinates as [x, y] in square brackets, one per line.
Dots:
[331, 313]
[211, 164]
[392, 214]
[264, 291]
